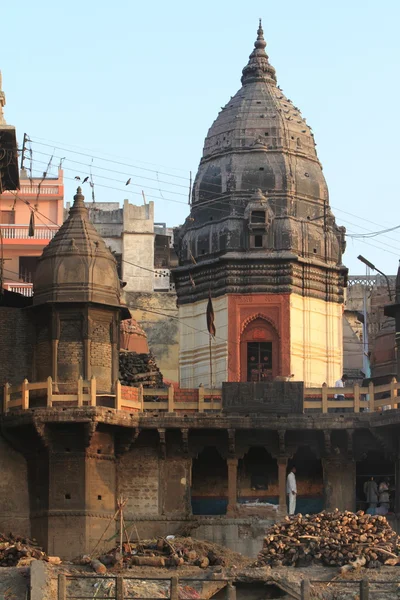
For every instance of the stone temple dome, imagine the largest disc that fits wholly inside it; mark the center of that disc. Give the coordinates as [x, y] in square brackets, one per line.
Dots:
[260, 144]
[77, 266]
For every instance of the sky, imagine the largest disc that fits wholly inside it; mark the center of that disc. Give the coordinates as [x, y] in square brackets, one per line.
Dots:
[129, 89]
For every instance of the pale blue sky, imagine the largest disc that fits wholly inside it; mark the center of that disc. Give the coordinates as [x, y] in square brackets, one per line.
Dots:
[144, 82]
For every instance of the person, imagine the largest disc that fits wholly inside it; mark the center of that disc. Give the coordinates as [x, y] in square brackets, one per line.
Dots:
[384, 498]
[371, 493]
[340, 383]
[291, 490]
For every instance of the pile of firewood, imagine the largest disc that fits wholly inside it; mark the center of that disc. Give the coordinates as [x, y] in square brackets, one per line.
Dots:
[162, 552]
[331, 539]
[18, 551]
[136, 369]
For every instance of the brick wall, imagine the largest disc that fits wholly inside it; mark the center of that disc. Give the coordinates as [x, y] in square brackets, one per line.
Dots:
[138, 480]
[129, 393]
[15, 347]
[14, 497]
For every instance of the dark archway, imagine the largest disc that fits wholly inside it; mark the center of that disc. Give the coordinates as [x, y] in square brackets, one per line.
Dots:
[209, 489]
[309, 477]
[258, 477]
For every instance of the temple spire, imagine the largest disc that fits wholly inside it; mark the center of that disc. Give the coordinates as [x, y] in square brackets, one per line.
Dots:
[2, 102]
[258, 68]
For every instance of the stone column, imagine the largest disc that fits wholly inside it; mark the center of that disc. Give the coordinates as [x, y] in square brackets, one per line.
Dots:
[282, 466]
[339, 483]
[397, 487]
[232, 485]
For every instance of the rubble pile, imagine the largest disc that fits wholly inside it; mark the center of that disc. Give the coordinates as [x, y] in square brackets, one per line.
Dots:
[168, 552]
[331, 539]
[136, 369]
[18, 551]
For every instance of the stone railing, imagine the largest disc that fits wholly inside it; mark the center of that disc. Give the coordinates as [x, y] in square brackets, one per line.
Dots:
[21, 232]
[26, 289]
[137, 399]
[201, 399]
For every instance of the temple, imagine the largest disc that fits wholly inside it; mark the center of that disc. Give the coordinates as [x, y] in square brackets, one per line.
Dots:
[211, 455]
[261, 238]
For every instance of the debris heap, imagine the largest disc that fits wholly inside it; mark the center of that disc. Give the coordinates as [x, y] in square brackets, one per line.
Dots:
[136, 369]
[19, 551]
[170, 552]
[332, 539]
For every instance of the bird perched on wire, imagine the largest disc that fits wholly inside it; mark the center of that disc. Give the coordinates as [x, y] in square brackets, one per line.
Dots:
[77, 177]
[85, 180]
[128, 182]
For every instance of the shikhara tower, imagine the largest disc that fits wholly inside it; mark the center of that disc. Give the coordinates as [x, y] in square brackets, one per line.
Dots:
[261, 236]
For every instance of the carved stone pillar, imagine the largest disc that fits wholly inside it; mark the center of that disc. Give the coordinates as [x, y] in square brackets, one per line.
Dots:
[282, 466]
[339, 483]
[232, 485]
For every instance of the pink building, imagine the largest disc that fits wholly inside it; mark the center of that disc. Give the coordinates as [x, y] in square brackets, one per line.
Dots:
[20, 250]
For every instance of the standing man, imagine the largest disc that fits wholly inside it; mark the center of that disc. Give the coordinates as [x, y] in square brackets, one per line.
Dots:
[340, 383]
[291, 490]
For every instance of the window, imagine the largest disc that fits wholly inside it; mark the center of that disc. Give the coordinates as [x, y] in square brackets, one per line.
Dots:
[27, 268]
[258, 241]
[7, 217]
[258, 216]
[259, 361]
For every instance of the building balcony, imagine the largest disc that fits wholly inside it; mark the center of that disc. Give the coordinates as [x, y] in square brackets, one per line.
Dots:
[21, 232]
[26, 289]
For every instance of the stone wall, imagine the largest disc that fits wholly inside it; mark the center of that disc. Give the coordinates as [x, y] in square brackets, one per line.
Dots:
[15, 347]
[14, 496]
[157, 315]
[138, 480]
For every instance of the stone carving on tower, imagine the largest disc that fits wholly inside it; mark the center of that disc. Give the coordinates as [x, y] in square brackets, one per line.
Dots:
[261, 233]
[76, 306]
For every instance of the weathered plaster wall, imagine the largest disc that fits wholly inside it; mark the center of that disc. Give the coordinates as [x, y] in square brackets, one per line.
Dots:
[316, 340]
[157, 315]
[15, 346]
[194, 351]
[138, 247]
[339, 484]
[14, 496]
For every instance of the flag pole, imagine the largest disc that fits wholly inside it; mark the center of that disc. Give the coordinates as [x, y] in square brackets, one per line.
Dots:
[211, 369]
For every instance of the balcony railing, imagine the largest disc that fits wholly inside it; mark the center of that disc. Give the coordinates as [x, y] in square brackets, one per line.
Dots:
[199, 400]
[20, 232]
[26, 289]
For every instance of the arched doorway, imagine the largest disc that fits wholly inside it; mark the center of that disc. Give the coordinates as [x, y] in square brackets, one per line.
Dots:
[309, 478]
[258, 477]
[259, 351]
[209, 489]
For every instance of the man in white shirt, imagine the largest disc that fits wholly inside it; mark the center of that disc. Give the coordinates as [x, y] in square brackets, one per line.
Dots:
[291, 490]
[340, 383]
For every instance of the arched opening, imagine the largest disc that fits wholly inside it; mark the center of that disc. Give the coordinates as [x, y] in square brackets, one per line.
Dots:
[309, 479]
[259, 352]
[374, 465]
[209, 490]
[258, 477]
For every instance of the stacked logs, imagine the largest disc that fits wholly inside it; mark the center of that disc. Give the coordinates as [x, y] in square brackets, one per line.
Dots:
[332, 539]
[18, 551]
[136, 369]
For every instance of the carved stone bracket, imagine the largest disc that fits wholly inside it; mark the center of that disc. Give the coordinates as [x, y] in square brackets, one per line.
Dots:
[282, 444]
[327, 442]
[89, 431]
[42, 431]
[125, 440]
[231, 442]
[349, 434]
[163, 444]
[185, 440]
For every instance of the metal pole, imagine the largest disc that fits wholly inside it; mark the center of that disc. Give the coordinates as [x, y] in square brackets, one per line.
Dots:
[62, 587]
[305, 589]
[230, 591]
[173, 594]
[119, 587]
[387, 283]
[364, 589]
